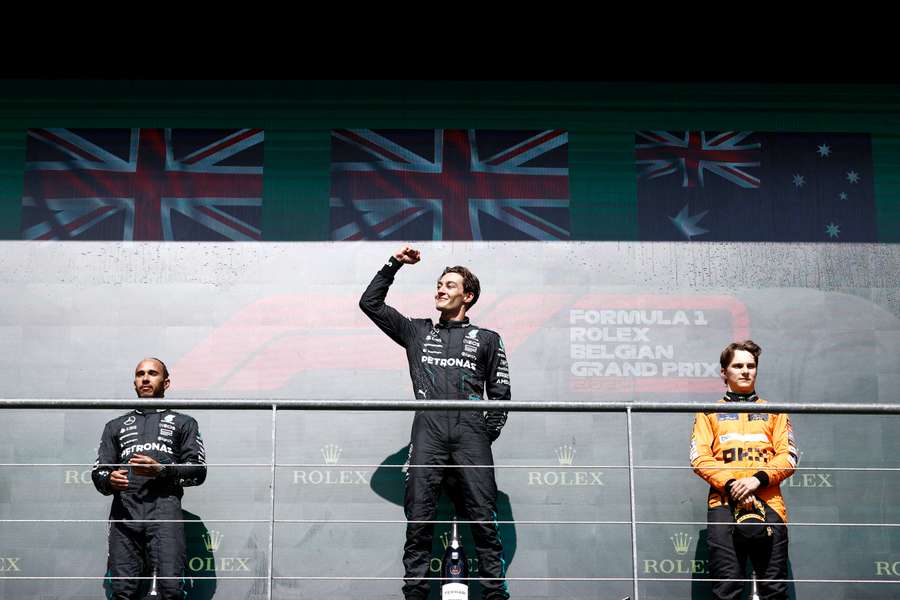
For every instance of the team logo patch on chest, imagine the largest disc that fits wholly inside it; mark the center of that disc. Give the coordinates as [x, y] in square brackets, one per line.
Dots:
[166, 427]
[147, 447]
[745, 454]
[449, 362]
[433, 344]
[471, 343]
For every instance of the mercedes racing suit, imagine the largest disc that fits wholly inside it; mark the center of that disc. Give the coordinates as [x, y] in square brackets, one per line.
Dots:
[452, 360]
[168, 437]
[760, 445]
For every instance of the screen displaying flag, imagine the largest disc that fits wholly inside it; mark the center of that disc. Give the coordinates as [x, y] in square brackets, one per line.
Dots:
[449, 184]
[755, 186]
[143, 184]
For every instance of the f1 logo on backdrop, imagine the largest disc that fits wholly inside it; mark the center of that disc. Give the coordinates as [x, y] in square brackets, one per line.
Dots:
[641, 342]
[263, 346]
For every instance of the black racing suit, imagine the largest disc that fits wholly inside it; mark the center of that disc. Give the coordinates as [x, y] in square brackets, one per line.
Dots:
[451, 360]
[168, 437]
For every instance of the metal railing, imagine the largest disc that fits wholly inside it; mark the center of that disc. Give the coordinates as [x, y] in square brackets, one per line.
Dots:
[628, 408]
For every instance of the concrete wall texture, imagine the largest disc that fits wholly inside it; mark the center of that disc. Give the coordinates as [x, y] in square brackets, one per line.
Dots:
[580, 321]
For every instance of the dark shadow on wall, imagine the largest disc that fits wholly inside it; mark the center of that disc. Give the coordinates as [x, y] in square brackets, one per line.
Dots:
[701, 589]
[388, 481]
[200, 545]
[201, 561]
[792, 592]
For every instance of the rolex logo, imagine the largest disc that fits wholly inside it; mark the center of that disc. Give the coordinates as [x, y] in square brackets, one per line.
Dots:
[682, 543]
[212, 540]
[331, 453]
[886, 568]
[210, 564]
[445, 539]
[816, 479]
[76, 477]
[565, 454]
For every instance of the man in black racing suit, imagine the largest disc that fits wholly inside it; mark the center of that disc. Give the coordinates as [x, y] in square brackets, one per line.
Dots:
[147, 492]
[455, 360]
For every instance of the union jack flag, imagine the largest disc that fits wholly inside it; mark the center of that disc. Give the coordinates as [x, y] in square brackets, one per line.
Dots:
[691, 153]
[449, 184]
[143, 184]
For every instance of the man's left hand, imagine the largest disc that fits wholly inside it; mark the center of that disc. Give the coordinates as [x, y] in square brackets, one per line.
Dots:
[145, 466]
[744, 487]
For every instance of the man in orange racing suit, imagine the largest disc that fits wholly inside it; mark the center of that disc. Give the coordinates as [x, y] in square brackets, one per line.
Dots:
[744, 457]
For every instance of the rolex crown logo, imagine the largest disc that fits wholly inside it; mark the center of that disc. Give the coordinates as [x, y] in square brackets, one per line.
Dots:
[445, 539]
[565, 454]
[331, 453]
[682, 542]
[212, 540]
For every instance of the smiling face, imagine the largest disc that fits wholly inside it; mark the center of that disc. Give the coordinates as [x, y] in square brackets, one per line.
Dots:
[450, 296]
[150, 379]
[740, 374]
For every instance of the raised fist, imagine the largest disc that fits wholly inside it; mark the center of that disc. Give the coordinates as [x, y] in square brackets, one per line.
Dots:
[408, 255]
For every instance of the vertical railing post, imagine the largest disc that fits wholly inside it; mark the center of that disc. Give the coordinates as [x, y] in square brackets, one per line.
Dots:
[272, 505]
[634, 562]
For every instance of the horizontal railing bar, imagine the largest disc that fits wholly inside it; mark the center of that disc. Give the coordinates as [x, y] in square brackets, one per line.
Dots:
[438, 522]
[407, 405]
[136, 578]
[453, 466]
[400, 578]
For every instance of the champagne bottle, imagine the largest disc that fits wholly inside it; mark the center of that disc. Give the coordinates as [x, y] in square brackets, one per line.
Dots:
[455, 569]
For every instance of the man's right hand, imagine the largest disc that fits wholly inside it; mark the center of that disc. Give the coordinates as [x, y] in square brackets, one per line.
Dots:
[747, 502]
[408, 255]
[118, 480]
[744, 487]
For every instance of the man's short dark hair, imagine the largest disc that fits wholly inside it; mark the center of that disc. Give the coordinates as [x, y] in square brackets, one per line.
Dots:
[470, 282]
[747, 346]
[165, 368]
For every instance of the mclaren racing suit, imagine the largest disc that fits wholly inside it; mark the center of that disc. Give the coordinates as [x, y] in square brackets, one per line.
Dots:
[730, 446]
[452, 360]
[168, 437]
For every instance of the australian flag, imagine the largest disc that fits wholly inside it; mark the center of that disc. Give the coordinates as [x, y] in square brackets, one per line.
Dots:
[449, 184]
[755, 186]
[143, 184]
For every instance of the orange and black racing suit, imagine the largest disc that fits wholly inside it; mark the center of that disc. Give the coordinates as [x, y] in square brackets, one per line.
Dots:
[730, 446]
